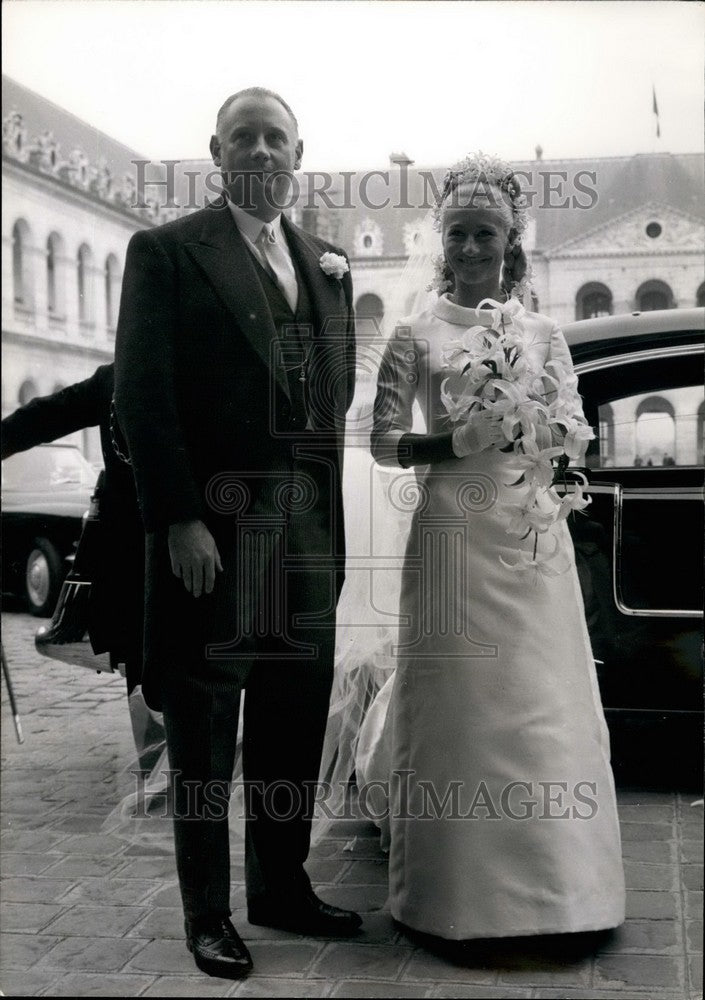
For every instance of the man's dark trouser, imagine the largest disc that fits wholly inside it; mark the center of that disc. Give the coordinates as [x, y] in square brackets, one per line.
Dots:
[285, 715]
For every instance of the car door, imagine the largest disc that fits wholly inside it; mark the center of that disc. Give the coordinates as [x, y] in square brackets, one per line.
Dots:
[639, 547]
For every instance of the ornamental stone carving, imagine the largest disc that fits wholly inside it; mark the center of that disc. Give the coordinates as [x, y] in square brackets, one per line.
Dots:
[368, 239]
[44, 153]
[14, 136]
[101, 182]
[127, 191]
[76, 171]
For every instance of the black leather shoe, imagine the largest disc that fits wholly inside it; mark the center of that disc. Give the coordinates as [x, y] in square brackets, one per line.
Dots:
[306, 914]
[217, 948]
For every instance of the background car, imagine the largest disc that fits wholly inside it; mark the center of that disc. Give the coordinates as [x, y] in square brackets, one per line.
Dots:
[639, 545]
[45, 493]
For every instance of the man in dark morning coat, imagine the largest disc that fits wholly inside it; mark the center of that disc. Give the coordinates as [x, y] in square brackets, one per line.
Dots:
[234, 372]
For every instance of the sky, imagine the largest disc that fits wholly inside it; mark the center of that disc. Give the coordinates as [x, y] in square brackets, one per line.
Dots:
[368, 77]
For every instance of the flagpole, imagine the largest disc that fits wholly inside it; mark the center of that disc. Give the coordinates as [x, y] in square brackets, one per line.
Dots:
[657, 123]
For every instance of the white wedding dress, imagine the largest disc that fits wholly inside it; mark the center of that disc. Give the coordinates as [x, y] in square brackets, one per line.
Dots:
[491, 732]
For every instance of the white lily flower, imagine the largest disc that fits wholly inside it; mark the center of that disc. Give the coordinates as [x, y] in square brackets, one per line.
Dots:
[534, 566]
[456, 406]
[539, 411]
[574, 499]
[512, 309]
[527, 516]
[576, 440]
[475, 338]
[536, 463]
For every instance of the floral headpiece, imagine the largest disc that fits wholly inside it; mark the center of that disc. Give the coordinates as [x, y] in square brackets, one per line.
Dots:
[485, 171]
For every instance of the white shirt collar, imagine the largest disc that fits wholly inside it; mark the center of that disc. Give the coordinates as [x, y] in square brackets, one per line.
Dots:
[250, 226]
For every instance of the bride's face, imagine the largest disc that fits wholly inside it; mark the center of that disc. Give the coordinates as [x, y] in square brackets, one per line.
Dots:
[474, 241]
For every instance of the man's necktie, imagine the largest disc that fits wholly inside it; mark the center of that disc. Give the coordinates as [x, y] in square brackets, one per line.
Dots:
[280, 264]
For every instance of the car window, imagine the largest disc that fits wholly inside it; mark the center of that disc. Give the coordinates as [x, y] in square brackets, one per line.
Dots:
[645, 412]
[48, 469]
[654, 428]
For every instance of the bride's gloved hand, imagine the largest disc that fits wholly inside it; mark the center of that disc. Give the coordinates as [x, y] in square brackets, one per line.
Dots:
[480, 431]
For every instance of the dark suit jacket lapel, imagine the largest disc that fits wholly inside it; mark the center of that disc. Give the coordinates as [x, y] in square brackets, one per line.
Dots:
[326, 294]
[228, 264]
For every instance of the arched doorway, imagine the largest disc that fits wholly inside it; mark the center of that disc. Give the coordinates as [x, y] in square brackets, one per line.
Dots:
[655, 431]
[28, 391]
[654, 294]
[369, 313]
[593, 299]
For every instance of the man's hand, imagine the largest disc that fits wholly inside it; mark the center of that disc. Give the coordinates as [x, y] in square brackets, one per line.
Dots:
[194, 556]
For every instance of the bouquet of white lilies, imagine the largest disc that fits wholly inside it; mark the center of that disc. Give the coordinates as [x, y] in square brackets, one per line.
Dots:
[540, 415]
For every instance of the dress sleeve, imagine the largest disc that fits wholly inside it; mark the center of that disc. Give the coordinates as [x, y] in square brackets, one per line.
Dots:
[397, 384]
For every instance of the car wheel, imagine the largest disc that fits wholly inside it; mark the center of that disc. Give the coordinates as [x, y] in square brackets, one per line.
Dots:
[42, 578]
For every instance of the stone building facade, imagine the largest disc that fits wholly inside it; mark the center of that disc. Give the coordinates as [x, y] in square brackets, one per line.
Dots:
[608, 235]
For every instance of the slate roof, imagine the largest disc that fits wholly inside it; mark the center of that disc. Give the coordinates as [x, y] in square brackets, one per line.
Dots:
[40, 114]
[621, 184]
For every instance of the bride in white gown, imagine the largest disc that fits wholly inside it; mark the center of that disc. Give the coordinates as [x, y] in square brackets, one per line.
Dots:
[490, 734]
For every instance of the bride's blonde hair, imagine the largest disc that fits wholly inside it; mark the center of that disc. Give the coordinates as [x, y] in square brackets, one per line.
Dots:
[481, 175]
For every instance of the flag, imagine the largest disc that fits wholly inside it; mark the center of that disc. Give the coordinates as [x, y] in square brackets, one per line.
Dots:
[655, 110]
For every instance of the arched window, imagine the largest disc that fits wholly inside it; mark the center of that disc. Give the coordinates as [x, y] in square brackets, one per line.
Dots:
[55, 285]
[368, 239]
[85, 285]
[369, 313]
[112, 292]
[22, 278]
[655, 431]
[654, 295]
[28, 391]
[700, 295]
[593, 299]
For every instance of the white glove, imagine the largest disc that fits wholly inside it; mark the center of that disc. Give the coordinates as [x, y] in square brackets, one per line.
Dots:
[481, 431]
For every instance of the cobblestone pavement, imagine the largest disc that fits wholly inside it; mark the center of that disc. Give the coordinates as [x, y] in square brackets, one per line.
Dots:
[87, 914]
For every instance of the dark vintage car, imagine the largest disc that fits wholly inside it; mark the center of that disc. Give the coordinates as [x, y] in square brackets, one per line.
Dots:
[45, 493]
[639, 545]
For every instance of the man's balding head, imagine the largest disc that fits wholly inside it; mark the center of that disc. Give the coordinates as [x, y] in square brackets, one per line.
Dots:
[252, 92]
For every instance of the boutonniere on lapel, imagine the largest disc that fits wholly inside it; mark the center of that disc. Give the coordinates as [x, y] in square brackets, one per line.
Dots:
[334, 265]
